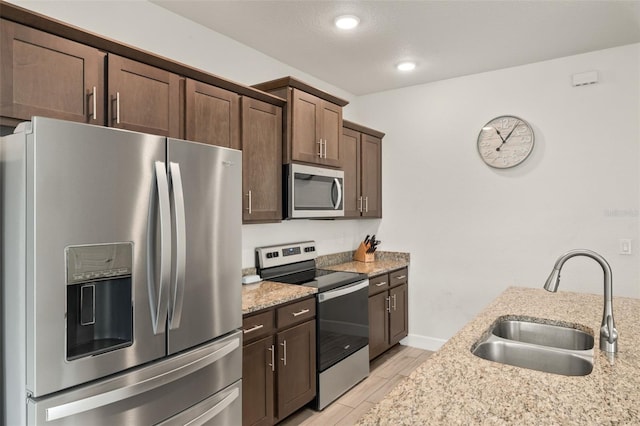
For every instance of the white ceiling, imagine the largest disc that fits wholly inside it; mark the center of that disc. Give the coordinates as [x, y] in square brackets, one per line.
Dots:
[446, 38]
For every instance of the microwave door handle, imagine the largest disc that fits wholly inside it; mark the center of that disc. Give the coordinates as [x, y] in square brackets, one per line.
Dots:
[336, 182]
[177, 291]
[157, 299]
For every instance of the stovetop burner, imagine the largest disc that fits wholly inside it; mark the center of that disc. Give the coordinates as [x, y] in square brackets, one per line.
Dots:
[295, 264]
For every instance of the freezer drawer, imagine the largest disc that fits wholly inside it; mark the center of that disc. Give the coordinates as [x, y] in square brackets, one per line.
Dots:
[222, 409]
[151, 394]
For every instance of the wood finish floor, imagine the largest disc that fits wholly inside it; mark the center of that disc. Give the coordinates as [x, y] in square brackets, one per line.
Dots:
[386, 371]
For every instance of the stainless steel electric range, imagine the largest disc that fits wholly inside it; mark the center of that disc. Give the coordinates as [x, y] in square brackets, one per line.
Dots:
[342, 318]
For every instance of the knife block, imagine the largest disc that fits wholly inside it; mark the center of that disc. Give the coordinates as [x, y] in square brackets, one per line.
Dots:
[361, 254]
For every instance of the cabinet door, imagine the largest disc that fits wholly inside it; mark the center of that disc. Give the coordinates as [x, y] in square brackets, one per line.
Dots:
[46, 75]
[143, 98]
[261, 161]
[350, 147]
[378, 324]
[398, 317]
[257, 382]
[372, 175]
[331, 133]
[296, 367]
[305, 127]
[212, 115]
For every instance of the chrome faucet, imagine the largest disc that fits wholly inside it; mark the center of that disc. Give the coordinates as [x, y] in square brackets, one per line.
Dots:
[608, 332]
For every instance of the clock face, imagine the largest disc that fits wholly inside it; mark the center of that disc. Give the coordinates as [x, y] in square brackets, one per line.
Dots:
[505, 141]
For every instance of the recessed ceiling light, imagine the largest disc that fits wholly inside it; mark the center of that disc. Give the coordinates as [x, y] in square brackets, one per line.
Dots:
[406, 66]
[347, 22]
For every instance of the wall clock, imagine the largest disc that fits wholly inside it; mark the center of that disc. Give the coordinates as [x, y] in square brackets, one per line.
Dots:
[505, 141]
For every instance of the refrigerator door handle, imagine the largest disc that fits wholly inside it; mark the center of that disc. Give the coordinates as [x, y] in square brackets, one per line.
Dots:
[122, 393]
[157, 300]
[177, 207]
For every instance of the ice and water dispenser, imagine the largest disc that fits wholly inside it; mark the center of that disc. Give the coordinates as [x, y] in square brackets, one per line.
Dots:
[99, 298]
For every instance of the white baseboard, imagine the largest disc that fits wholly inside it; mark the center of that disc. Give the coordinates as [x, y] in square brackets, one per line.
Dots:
[423, 342]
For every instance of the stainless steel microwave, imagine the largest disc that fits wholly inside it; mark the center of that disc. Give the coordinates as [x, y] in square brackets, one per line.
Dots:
[313, 192]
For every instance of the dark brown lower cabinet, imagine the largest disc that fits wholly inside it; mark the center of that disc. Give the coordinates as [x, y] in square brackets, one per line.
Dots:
[278, 362]
[257, 382]
[296, 367]
[388, 311]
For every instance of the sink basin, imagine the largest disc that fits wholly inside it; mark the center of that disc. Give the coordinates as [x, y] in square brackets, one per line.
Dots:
[535, 358]
[543, 334]
[534, 345]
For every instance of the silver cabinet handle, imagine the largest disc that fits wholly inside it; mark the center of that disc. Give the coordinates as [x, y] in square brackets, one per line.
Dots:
[296, 314]
[272, 349]
[284, 346]
[394, 301]
[93, 94]
[401, 277]
[157, 298]
[177, 206]
[320, 148]
[325, 149]
[249, 202]
[360, 204]
[254, 328]
[117, 115]
[381, 284]
[366, 204]
[131, 390]
[388, 300]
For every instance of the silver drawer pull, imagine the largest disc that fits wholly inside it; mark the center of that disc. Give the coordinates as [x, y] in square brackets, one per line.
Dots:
[254, 328]
[304, 311]
[401, 277]
[381, 284]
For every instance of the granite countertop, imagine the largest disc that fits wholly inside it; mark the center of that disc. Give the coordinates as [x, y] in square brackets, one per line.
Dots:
[384, 262]
[455, 387]
[266, 294]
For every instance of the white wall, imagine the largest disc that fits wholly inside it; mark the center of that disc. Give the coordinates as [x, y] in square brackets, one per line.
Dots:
[473, 230]
[152, 28]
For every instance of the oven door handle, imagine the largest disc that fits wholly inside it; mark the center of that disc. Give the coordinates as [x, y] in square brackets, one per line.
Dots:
[328, 295]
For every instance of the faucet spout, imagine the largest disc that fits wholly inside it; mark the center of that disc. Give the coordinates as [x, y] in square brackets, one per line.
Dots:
[608, 332]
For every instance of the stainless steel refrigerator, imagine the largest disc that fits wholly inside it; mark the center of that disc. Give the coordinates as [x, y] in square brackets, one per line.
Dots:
[121, 270]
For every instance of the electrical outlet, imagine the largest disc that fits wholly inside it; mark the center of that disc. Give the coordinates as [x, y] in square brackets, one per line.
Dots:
[625, 246]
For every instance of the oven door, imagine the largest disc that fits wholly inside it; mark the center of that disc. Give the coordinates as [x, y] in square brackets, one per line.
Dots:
[343, 323]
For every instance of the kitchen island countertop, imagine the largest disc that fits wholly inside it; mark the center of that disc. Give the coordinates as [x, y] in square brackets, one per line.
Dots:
[455, 387]
[266, 294]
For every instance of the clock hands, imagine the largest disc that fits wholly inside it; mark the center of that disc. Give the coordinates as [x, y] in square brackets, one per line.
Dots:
[511, 132]
[504, 140]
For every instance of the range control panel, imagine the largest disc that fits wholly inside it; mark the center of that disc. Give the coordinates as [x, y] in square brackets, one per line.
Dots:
[283, 254]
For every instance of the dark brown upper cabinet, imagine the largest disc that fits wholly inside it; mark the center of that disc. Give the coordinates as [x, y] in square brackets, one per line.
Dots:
[362, 165]
[212, 115]
[261, 161]
[43, 74]
[143, 98]
[313, 122]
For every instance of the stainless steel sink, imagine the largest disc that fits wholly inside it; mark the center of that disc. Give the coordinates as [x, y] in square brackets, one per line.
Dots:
[543, 334]
[531, 344]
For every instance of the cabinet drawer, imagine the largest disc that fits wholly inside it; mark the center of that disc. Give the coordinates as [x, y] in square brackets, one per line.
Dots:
[258, 325]
[399, 277]
[296, 312]
[378, 284]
